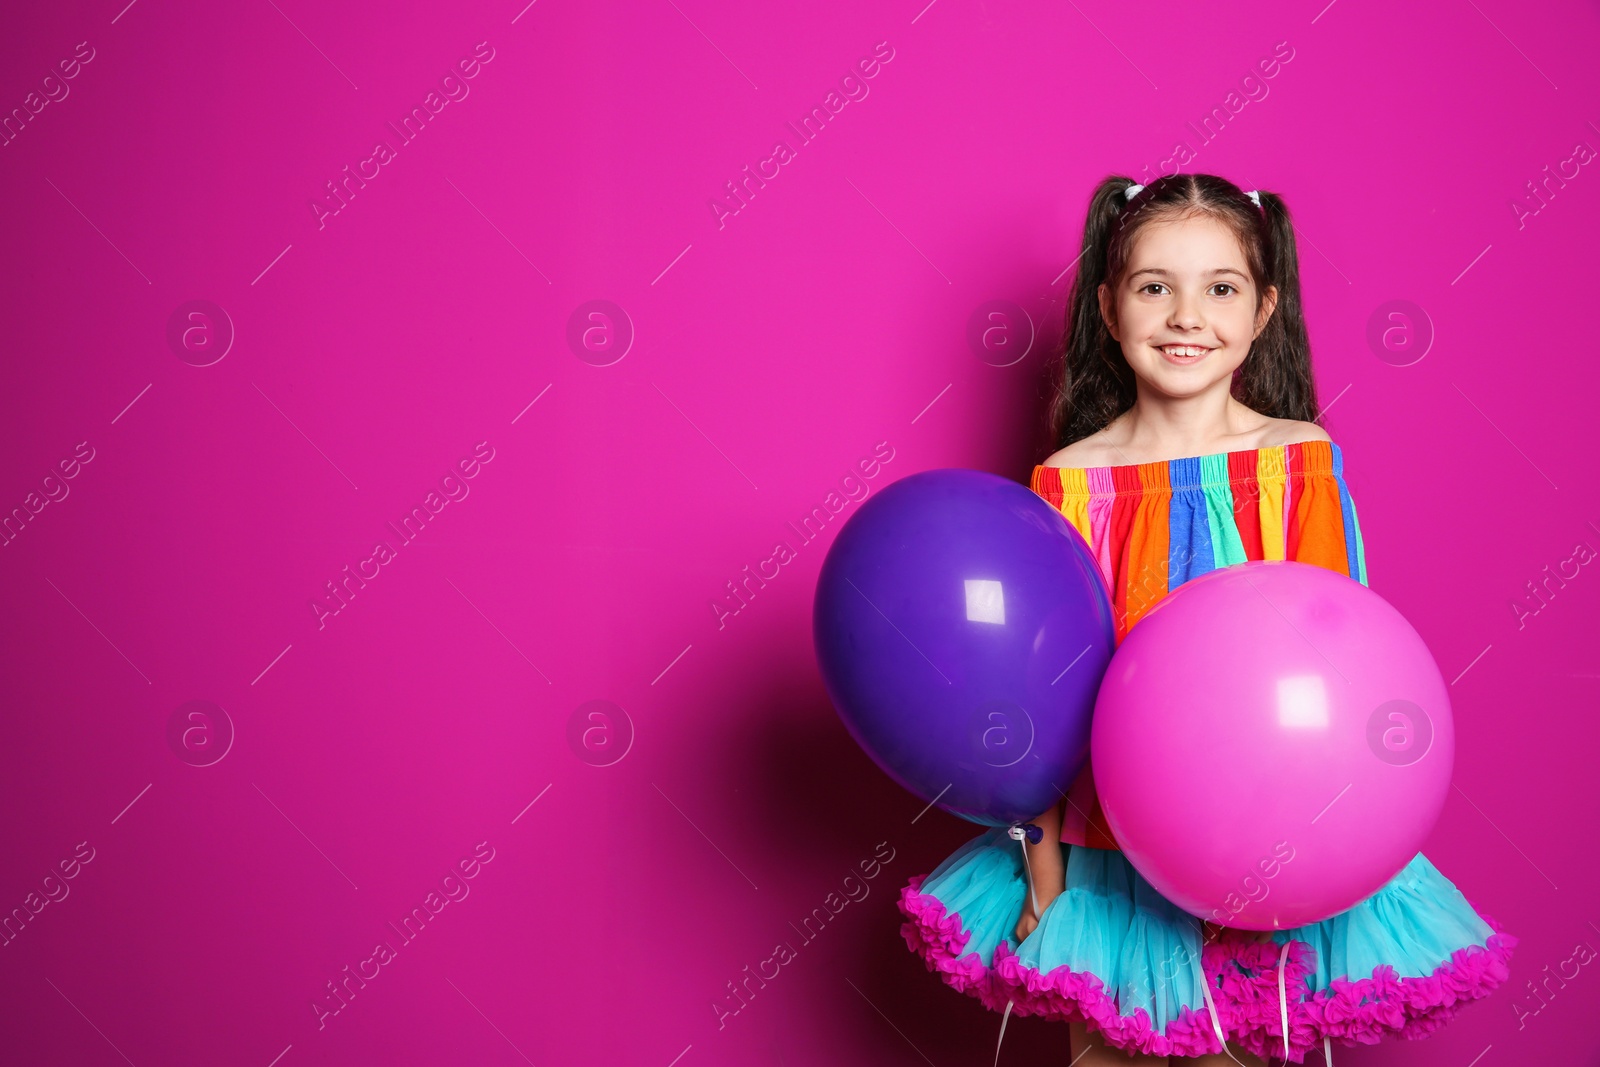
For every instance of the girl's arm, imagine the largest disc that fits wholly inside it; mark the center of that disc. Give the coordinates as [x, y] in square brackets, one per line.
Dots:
[1049, 871]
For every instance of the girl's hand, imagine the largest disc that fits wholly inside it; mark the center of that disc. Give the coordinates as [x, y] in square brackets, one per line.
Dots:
[1029, 921]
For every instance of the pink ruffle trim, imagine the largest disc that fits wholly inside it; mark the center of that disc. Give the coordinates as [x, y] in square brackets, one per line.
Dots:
[1366, 1010]
[1063, 994]
[939, 938]
[1243, 974]
[1078, 995]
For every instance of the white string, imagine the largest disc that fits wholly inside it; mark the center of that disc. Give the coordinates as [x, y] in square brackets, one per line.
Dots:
[1003, 1019]
[1283, 1014]
[1205, 987]
[1283, 1002]
[1020, 835]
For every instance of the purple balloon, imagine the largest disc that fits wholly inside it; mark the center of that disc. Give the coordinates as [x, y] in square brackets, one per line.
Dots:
[962, 628]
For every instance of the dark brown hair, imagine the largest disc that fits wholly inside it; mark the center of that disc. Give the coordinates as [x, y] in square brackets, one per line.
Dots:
[1095, 384]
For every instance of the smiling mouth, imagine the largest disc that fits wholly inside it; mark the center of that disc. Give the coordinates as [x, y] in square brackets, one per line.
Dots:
[1183, 353]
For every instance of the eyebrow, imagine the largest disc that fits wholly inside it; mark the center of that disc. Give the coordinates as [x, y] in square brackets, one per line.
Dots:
[1167, 274]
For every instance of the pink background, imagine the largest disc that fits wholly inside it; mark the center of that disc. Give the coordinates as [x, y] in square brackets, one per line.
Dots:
[769, 354]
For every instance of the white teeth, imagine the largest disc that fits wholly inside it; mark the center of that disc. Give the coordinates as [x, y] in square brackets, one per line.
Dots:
[1183, 350]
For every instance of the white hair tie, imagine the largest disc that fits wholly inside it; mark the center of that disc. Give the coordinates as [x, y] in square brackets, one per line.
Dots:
[1133, 190]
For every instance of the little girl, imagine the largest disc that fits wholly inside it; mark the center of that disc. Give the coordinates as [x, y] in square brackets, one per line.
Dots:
[1188, 418]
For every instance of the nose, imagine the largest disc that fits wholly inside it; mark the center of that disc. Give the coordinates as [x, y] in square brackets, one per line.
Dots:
[1186, 314]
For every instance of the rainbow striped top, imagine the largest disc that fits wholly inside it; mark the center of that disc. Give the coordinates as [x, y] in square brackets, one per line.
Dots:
[1153, 526]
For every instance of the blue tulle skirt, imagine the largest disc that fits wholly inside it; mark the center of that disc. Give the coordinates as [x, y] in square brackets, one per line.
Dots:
[1115, 954]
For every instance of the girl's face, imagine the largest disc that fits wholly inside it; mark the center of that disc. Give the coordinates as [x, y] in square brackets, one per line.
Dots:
[1185, 312]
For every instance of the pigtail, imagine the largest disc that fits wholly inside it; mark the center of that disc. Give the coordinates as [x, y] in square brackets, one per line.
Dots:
[1275, 379]
[1094, 384]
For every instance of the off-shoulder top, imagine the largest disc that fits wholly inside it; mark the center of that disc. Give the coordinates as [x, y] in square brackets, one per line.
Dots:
[1153, 526]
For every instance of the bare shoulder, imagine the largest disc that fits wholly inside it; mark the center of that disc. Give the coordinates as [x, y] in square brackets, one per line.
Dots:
[1088, 452]
[1293, 432]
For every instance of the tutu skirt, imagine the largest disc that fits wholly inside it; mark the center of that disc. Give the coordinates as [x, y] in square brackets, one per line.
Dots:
[1114, 954]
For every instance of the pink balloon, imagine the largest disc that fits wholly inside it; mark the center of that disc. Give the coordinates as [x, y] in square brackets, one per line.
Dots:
[1271, 744]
